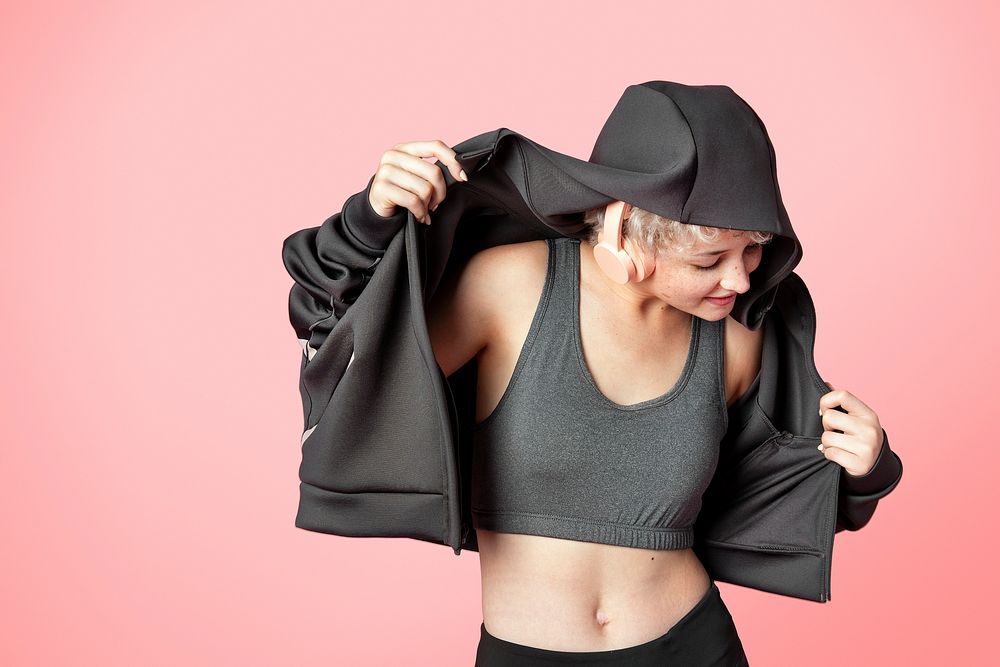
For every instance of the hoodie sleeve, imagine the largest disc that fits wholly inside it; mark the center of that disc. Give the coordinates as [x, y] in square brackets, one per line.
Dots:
[331, 264]
[859, 494]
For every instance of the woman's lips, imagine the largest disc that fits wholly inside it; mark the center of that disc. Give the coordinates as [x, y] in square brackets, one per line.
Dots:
[721, 302]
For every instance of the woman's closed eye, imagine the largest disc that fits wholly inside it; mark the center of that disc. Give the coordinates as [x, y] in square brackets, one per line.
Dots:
[750, 248]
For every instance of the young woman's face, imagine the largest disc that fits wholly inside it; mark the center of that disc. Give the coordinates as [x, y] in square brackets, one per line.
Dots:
[687, 279]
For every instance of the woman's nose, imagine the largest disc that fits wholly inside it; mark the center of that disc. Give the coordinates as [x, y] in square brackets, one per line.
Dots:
[737, 278]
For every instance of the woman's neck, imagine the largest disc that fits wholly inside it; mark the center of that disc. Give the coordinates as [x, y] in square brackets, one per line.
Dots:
[632, 302]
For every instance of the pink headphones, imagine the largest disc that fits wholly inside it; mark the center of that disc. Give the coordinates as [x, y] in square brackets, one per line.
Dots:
[613, 259]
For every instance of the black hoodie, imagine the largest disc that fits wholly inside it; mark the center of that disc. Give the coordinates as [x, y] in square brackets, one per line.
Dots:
[387, 438]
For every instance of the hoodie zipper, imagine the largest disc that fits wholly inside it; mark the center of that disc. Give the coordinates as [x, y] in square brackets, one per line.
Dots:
[453, 420]
[783, 438]
[786, 437]
[824, 587]
[831, 517]
[488, 151]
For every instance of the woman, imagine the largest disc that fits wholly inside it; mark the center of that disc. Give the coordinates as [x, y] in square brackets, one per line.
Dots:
[544, 596]
[607, 362]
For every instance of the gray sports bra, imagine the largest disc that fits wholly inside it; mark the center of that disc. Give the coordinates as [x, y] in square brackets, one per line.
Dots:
[558, 458]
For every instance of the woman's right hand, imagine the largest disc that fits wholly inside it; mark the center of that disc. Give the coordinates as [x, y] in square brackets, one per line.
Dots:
[404, 178]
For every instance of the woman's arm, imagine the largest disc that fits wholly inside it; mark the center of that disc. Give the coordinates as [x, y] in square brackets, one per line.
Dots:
[461, 317]
[332, 263]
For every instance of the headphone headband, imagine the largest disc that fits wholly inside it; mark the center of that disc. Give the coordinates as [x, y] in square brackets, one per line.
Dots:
[614, 219]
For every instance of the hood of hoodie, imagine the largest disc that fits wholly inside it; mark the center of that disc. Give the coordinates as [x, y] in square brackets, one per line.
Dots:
[695, 154]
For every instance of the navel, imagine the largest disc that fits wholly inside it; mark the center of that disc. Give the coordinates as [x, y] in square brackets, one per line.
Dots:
[602, 618]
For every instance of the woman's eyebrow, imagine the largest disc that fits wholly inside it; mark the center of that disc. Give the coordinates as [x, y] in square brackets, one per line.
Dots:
[710, 252]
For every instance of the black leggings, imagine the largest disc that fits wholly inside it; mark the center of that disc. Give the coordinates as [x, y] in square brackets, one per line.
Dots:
[705, 635]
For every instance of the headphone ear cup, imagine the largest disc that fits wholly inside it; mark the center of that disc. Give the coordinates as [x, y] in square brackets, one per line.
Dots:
[642, 263]
[616, 263]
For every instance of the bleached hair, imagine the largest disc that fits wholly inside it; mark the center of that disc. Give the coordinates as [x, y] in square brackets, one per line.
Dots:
[653, 233]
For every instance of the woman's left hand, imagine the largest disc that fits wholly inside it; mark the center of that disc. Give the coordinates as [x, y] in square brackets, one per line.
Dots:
[852, 439]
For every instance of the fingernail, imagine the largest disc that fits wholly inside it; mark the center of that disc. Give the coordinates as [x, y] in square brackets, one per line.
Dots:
[435, 207]
[428, 218]
[820, 448]
[821, 412]
[462, 175]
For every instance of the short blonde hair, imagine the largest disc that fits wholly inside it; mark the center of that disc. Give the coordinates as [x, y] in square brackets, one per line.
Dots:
[653, 233]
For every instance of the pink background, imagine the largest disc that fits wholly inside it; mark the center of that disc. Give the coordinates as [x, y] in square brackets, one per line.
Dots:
[154, 159]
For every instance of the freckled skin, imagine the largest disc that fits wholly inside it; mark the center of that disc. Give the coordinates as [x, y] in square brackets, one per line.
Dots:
[681, 281]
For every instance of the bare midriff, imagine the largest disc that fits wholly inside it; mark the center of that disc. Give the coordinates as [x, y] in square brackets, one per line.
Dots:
[568, 595]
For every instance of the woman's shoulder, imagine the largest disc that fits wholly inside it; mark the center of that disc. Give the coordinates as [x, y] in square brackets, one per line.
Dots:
[514, 276]
[481, 299]
[514, 263]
